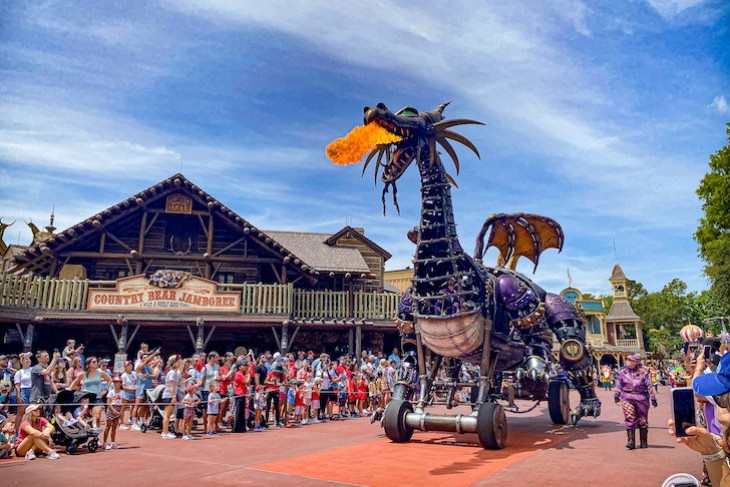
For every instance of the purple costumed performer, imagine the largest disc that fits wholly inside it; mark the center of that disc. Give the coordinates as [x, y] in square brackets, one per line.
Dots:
[633, 391]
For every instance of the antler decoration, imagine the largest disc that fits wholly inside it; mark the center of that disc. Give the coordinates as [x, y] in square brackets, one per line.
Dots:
[519, 235]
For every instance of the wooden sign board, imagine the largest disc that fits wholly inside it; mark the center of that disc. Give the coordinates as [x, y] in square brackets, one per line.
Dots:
[187, 295]
[179, 203]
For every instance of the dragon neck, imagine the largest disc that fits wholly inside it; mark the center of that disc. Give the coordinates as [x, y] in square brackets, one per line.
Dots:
[439, 255]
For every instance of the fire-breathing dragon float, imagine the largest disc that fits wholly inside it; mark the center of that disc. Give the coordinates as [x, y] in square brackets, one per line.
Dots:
[461, 310]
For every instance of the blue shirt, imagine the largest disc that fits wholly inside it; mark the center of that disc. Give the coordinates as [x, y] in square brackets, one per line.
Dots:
[290, 396]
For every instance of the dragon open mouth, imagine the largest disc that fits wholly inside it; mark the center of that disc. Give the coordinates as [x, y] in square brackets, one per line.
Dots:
[397, 139]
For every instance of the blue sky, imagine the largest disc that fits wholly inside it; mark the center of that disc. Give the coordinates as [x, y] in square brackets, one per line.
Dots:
[601, 115]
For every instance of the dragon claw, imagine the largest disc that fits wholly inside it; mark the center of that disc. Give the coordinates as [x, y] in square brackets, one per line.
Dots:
[588, 407]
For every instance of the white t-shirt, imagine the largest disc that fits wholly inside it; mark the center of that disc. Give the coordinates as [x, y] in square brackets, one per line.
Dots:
[210, 373]
[172, 376]
[115, 398]
[214, 400]
[23, 377]
[131, 381]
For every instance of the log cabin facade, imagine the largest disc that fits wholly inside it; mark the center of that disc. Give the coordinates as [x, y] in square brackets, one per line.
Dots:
[174, 240]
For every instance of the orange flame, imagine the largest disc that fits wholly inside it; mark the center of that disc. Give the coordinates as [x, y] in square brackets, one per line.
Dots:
[361, 140]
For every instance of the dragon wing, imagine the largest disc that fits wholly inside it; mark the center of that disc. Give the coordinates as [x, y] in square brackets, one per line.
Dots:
[519, 235]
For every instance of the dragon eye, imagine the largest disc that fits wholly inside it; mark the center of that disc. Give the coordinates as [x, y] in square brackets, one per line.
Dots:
[408, 112]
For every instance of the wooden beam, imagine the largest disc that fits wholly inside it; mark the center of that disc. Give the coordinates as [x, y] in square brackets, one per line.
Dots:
[203, 226]
[227, 247]
[114, 237]
[102, 242]
[276, 337]
[146, 256]
[209, 247]
[154, 219]
[140, 241]
[276, 273]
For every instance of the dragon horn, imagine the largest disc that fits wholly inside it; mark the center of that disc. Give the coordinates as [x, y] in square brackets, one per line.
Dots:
[440, 109]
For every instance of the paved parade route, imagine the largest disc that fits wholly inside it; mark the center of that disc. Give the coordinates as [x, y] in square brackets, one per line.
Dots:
[356, 453]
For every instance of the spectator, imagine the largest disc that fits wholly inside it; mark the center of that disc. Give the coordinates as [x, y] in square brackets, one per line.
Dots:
[130, 384]
[259, 402]
[42, 383]
[114, 401]
[241, 382]
[91, 379]
[147, 370]
[191, 400]
[273, 380]
[35, 435]
[315, 390]
[69, 348]
[209, 373]
[290, 401]
[714, 386]
[212, 409]
[23, 384]
[13, 362]
[80, 354]
[7, 437]
[169, 394]
[60, 375]
[75, 369]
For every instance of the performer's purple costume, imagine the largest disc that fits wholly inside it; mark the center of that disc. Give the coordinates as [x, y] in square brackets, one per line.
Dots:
[634, 390]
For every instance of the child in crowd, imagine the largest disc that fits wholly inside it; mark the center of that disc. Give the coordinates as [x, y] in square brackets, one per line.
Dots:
[362, 395]
[7, 438]
[113, 412]
[352, 395]
[307, 402]
[290, 401]
[83, 413]
[299, 403]
[191, 400]
[342, 395]
[374, 391]
[214, 404]
[315, 388]
[259, 401]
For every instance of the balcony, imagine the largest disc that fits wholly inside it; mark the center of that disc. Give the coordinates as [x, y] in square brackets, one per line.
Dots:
[44, 293]
[628, 343]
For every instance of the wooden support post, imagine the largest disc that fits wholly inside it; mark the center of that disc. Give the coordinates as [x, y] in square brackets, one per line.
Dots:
[122, 337]
[140, 241]
[293, 336]
[199, 339]
[276, 337]
[284, 338]
[26, 337]
[351, 341]
[358, 343]
[209, 247]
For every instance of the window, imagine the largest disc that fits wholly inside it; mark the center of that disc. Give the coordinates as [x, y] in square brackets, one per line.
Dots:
[594, 325]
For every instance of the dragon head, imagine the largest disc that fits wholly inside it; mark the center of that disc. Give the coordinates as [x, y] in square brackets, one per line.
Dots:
[417, 133]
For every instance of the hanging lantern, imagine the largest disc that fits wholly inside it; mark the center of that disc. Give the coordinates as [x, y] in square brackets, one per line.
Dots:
[691, 333]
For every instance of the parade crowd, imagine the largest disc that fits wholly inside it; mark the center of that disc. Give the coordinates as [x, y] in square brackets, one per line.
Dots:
[204, 394]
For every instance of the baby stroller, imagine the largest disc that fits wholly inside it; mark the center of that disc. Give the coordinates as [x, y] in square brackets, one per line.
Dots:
[71, 436]
[157, 409]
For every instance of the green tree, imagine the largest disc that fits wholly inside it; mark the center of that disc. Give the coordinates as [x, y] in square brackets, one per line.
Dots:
[713, 232]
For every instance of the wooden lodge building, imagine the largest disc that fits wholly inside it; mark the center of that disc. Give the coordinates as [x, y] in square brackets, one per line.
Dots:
[174, 267]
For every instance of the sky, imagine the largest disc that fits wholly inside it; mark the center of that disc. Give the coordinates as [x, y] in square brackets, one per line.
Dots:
[601, 115]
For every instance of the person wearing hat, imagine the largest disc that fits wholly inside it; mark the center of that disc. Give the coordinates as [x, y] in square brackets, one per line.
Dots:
[274, 379]
[715, 388]
[34, 435]
[633, 391]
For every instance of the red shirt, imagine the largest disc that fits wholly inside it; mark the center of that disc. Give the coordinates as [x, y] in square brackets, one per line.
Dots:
[273, 377]
[22, 434]
[299, 398]
[223, 388]
[240, 387]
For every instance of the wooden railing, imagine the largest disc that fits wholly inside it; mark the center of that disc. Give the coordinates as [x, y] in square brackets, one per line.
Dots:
[321, 304]
[628, 343]
[260, 299]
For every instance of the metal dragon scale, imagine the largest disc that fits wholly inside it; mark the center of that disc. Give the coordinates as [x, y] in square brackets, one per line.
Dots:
[461, 310]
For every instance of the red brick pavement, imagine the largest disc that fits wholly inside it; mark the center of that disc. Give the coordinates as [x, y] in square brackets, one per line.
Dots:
[357, 453]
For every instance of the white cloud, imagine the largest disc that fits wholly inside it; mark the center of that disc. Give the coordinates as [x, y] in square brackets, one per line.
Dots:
[720, 104]
[671, 8]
